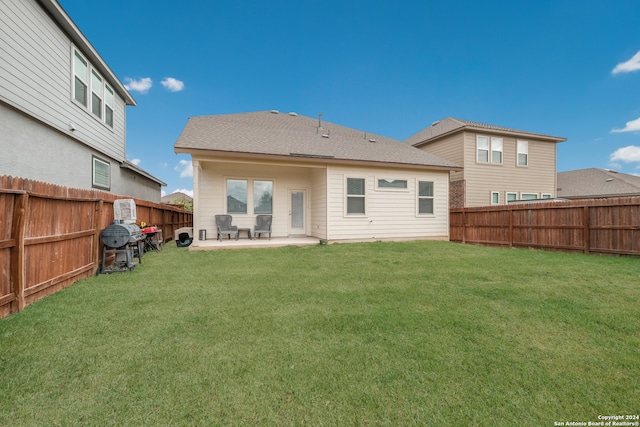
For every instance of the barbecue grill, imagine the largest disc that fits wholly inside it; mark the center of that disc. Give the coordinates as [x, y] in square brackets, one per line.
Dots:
[125, 241]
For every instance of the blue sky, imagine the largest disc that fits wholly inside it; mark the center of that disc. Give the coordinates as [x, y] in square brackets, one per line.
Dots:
[566, 68]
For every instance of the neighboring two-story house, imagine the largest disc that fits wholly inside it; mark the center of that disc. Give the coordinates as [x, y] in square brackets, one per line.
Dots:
[62, 109]
[499, 164]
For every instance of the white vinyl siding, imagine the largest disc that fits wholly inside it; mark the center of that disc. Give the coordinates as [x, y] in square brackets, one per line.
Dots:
[389, 214]
[38, 78]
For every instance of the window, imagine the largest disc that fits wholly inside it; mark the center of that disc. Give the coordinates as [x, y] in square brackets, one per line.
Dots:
[496, 150]
[425, 197]
[355, 196]
[523, 153]
[91, 91]
[483, 149]
[236, 196]
[262, 197]
[495, 198]
[546, 196]
[101, 174]
[511, 197]
[486, 145]
[528, 196]
[392, 183]
[108, 105]
[96, 94]
[81, 79]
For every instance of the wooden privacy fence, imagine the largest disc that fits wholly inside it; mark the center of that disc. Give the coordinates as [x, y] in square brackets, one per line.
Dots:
[610, 226]
[50, 236]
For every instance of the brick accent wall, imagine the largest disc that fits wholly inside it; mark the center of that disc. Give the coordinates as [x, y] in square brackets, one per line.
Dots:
[456, 194]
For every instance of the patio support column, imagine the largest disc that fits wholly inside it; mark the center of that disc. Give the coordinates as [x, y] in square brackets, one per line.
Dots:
[196, 198]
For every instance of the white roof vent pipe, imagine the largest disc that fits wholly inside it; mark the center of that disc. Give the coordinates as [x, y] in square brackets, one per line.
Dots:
[275, 112]
[293, 114]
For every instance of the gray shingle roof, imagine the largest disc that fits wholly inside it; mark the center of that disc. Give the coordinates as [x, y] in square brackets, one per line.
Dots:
[289, 134]
[593, 182]
[450, 124]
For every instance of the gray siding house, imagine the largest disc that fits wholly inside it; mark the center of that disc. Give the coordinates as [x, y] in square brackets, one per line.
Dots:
[62, 109]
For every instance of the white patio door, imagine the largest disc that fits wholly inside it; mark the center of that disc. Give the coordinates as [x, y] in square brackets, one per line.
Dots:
[296, 213]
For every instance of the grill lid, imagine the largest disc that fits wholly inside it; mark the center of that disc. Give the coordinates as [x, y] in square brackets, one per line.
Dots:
[118, 235]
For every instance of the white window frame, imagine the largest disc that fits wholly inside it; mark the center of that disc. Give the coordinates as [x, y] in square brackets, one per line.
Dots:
[226, 195]
[109, 101]
[75, 55]
[493, 199]
[545, 196]
[347, 196]
[91, 89]
[497, 146]
[522, 147]
[511, 193]
[94, 182]
[491, 145]
[524, 194]
[383, 188]
[420, 197]
[253, 195]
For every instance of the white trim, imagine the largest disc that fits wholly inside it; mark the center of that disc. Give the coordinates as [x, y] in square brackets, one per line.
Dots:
[497, 193]
[432, 197]
[525, 152]
[523, 193]
[94, 183]
[347, 195]
[404, 189]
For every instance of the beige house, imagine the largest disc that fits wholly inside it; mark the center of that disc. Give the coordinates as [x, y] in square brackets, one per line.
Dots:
[500, 164]
[315, 178]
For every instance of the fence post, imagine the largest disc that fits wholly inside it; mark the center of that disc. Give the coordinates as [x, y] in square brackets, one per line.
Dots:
[586, 236]
[17, 273]
[464, 225]
[510, 210]
[97, 218]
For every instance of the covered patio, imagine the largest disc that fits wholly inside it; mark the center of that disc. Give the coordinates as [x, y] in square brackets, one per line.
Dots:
[244, 243]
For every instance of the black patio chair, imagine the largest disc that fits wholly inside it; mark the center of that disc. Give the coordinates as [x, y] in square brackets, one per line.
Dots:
[263, 225]
[223, 225]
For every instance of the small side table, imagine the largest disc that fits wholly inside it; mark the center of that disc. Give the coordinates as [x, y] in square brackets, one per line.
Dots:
[247, 230]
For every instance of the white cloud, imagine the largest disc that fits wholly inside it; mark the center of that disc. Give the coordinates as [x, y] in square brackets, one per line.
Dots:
[185, 168]
[141, 85]
[172, 84]
[632, 126]
[627, 154]
[185, 191]
[136, 161]
[631, 65]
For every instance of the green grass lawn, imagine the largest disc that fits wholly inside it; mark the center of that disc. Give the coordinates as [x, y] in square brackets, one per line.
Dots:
[418, 333]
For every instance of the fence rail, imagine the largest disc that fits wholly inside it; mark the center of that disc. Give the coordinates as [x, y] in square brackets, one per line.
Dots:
[50, 236]
[608, 226]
